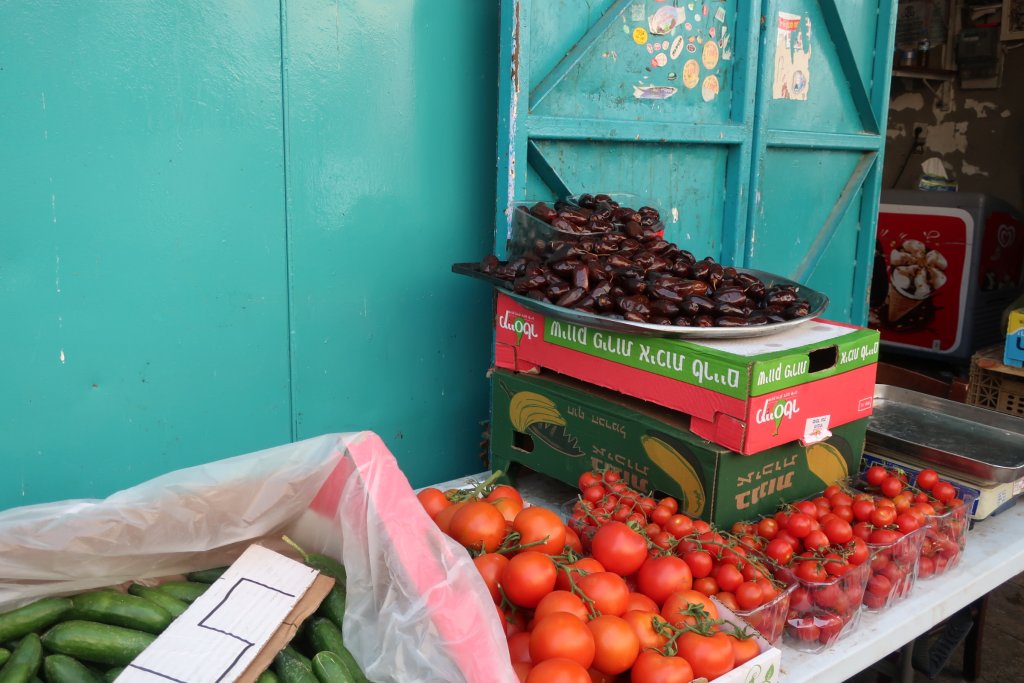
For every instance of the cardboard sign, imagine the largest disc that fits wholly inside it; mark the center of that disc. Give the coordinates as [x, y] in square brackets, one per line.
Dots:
[233, 631]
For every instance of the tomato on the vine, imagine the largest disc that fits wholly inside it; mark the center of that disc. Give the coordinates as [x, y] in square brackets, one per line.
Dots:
[700, 563]
[618, 548]
[558, 670]
[710, 656]
[561, 634]
[588, 479]
[561, 601]
[659, 577]
[491, 566]
[679, 607]
[433, 501]
[478, 524]
[607, 590]
[875, 475]
[779, 550]
[539, 525]
[616, 645]
[654, 667]
[528, 577]
[927, 479]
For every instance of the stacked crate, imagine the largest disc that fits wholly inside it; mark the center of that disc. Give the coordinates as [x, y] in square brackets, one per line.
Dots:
[730, 427]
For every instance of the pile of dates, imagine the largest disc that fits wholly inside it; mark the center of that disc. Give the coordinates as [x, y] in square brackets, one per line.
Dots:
[598, 214]
[630, 273]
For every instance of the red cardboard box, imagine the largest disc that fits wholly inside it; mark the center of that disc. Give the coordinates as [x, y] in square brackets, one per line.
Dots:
[748, 395]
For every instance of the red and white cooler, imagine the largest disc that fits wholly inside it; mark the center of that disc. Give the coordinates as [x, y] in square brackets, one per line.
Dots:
[946, 265]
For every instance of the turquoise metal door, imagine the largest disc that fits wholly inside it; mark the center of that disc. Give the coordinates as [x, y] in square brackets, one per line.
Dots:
[824, 75]
[759, 155]
[646, 98]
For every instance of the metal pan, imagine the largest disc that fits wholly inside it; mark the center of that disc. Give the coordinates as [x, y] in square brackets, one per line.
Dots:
[982, 444]
[818, 304]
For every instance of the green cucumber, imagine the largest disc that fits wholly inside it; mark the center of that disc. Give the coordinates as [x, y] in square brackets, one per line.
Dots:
[325, 636]
[94, 642]
[267, 676]
[290, 667]
[121, 609]
[325, 564]
[333, 606]
[32, 617]
[173, 605]
[328, 668]
[184, 590]
[112, 674]
[24, 661]
[5, 654]
[206, 575]
[64, 669]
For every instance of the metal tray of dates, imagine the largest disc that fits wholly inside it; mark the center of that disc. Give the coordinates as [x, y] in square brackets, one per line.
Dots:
[982, 444]
[818, 303]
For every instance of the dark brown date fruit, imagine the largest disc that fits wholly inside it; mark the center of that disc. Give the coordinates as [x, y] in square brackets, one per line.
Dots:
[587, 200]
[634, 285]
[572, 297]
[604, 303]
[619, 261]
[635, 317]
[526, 283]
[701, 270]
[665, 292]
[779, 296]
[581, 277]
[555, 292]
[731, 321]
[601, 289]
[692, 288]
[731, 295]
[659, 246]
[703, 321]
[559, 223]
[634, 230]
[664, 307]
[543, 212]
[659, 320]
[537, 294]
[682, 268]
[757, 318]
[683, 321]
[730, 310]
[637, 303]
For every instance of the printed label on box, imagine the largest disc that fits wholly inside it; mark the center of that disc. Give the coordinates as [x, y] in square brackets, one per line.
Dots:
[816, 429]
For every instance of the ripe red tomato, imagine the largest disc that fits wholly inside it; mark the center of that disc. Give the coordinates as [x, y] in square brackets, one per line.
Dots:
[728, 577]
[891, 487]
[807, 507]
[862, 510]
[779, 550]
[558, 670]
[700, 563]
[860, 552]
[707, 586]
[884, 537]
[803, 628]
[944, 492]
[671, 503]
[643, 625]
[653, 667]
[433, 501]
[883, 516]
[811, 570]
[659, 577]
[817, 540]
[926, 479]
[838, 531]
[607, 590]
[749, 595]
[679, 525]
[519, 646]
[727, 599]
[491, 566]
[907, 522]
[528, 577]
[478, 524]
[522, 670]
[710, 656]
[767, 528]
[744, 649]
[677, 608]
[540, 524]
[639, 601]
[616, 645]
[585, 565]
[572, 539]
[875, 475]
[619, 548]
[594, 494]
[562, 635]
[843, 512]
[799, 524]
[561, 601]
[504, 491]
[612, 476]
[443, 519]
[588, 479]
[661, 514]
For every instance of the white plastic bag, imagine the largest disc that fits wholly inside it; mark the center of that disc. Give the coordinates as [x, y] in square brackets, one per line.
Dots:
[417, 608]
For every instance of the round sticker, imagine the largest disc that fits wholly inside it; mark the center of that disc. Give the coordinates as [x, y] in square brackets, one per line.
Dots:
[691, 73]
[709, 90]
[691, 48]
[710, 55]
[677, 47]
[660, 59]
[640, 35]
[664, 46]
[650, 49]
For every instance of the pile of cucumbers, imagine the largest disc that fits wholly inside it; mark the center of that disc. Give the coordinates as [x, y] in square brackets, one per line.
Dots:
[91, 637]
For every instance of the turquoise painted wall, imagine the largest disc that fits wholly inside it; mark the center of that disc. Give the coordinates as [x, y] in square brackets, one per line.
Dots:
[228, 225]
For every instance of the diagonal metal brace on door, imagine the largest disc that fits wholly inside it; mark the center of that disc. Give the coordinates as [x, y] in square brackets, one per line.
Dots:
[577, 52]
[835, 217]
[844, 51]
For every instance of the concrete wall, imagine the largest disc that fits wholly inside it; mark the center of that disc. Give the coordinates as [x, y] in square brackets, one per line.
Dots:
[979, 138]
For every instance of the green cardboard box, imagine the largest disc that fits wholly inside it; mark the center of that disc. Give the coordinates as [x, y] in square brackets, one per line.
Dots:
[561, 427]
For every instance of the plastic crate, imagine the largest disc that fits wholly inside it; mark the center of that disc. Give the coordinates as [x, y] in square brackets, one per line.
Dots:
[996, 386]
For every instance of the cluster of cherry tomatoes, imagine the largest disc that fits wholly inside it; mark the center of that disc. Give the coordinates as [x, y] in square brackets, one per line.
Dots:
[615, 607]
[946, 514]
[720, 563]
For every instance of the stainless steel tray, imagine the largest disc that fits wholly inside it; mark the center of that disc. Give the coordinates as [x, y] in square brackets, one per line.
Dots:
[982, 444]
[818, 304]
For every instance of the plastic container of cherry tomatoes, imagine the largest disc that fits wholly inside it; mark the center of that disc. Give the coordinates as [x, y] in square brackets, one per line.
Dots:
[770, 618]
[894, 569]
[945, 538]
[823, 612]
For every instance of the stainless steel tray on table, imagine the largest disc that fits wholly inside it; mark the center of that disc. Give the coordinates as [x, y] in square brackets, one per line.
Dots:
[982, 444]
[818, 303]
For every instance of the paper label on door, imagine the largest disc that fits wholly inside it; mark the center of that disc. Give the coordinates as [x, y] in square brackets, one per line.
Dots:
[792, 57]
[816, 429]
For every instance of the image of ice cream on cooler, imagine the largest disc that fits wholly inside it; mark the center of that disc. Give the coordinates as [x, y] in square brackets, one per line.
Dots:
[916, 274]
